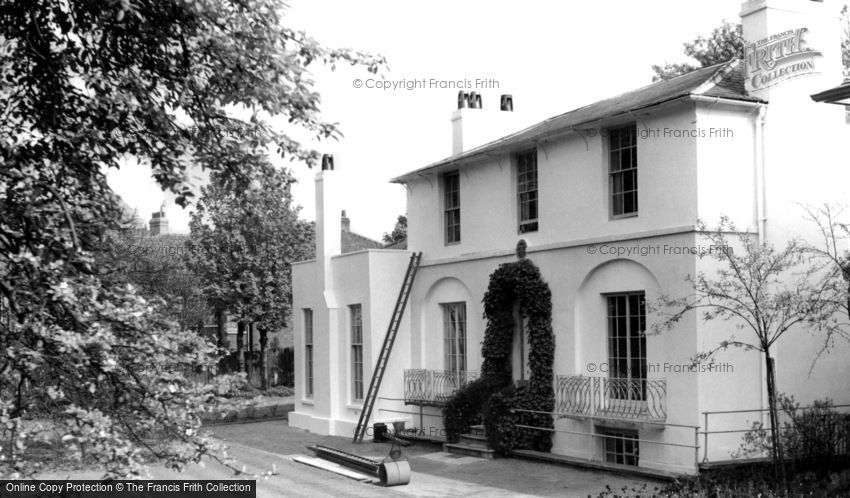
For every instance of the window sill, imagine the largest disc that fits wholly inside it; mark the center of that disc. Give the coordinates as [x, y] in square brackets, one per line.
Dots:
[355, 406]
[623, 216]
[308, 401]
[451, 243]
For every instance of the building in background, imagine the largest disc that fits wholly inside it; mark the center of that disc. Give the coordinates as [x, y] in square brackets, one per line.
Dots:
[158, 222]
[607, 198]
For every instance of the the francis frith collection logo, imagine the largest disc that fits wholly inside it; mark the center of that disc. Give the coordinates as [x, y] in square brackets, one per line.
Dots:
[778, 58]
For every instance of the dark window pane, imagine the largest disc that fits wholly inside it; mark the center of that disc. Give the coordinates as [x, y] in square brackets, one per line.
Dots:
[615, 161]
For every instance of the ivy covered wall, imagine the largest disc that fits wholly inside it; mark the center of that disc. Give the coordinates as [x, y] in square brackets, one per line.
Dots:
[494, 400]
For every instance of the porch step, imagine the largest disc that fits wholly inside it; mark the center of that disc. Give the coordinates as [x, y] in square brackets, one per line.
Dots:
[477, 430]
[474, 440]
[467, 450]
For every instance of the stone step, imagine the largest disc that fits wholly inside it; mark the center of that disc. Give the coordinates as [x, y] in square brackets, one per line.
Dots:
[467, 450]
[474, 440]
[477, 430]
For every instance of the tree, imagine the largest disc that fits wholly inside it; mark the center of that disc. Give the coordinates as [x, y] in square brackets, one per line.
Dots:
[726, 42]
[90, 85]
[399, 232]
[835, 265]
[845, 39]
[243, 244]
[764, 292]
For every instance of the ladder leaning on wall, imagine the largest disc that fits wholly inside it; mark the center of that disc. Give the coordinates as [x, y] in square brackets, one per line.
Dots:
[386, 349]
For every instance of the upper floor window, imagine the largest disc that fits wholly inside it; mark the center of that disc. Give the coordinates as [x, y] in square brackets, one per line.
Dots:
[451, 206]
[526, 175]
[622, 148]
[356, 313]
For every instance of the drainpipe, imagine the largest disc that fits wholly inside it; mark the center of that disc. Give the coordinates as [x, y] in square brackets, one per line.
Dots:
[760, 212]
[759, 159]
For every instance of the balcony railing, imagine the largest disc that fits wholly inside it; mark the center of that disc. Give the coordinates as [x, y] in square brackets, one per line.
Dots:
[643, 400]
[433, 387]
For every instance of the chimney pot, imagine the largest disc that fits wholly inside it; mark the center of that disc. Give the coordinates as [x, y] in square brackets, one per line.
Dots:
[327, 162]
[462, 100]
[507, 102]
[345, 222]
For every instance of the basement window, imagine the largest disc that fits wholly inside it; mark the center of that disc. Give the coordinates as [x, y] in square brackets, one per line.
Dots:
[621, 447]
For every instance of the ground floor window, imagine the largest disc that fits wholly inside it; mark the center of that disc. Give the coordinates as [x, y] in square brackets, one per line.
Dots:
[627, 366]
[621, 447]
[356, 313]
[454, 334]
[308, 352]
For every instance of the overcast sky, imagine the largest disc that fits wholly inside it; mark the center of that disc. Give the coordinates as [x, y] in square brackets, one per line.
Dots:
[551, 56]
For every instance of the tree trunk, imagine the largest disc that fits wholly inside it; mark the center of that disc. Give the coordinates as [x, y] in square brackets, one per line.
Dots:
[221, 320]
[775, 437]
[240, 347]
[264, 363]
[251, 337]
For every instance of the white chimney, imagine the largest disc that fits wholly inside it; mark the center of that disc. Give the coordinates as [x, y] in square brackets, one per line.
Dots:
[792, 48]
[474, 123]
[328, 223]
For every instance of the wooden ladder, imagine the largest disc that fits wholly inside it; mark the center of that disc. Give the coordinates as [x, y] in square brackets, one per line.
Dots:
[386, 349]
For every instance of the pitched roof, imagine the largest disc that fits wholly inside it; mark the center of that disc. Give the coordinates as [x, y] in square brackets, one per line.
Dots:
[725, 80]
[399, 244]
[352, 242]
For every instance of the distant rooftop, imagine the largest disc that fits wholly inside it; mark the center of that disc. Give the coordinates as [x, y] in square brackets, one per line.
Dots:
[351, 241]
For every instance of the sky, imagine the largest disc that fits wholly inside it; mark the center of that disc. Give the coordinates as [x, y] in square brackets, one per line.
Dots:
[551, 56]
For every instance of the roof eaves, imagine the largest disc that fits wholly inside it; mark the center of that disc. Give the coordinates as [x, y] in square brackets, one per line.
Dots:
[714, 79]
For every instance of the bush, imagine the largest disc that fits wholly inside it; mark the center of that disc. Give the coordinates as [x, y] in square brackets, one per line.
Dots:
[503, 413]
[463, 410]
[488, 399]
[815, 434]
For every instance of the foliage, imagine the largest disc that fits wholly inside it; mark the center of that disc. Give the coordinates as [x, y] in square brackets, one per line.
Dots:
[506, 410]
[756, 479]
[762, 290]
[817, 433]
[512, 284]
[156, 266]
[244, 241]
[92, 85]
[834, 262]
[726, 42]
[399, 232]
[463, 410]
[744, 481]
[845, 39]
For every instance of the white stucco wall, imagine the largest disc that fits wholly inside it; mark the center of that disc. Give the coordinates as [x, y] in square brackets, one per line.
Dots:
[584, 254]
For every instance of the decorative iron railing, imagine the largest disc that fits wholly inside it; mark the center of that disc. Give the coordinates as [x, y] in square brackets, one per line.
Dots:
[603, 397]
[433, 387]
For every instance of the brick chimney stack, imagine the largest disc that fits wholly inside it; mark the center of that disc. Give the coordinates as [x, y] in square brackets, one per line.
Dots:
[345, 222]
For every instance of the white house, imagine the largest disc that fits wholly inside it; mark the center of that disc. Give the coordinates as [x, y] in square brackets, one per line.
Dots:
[606, 197]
